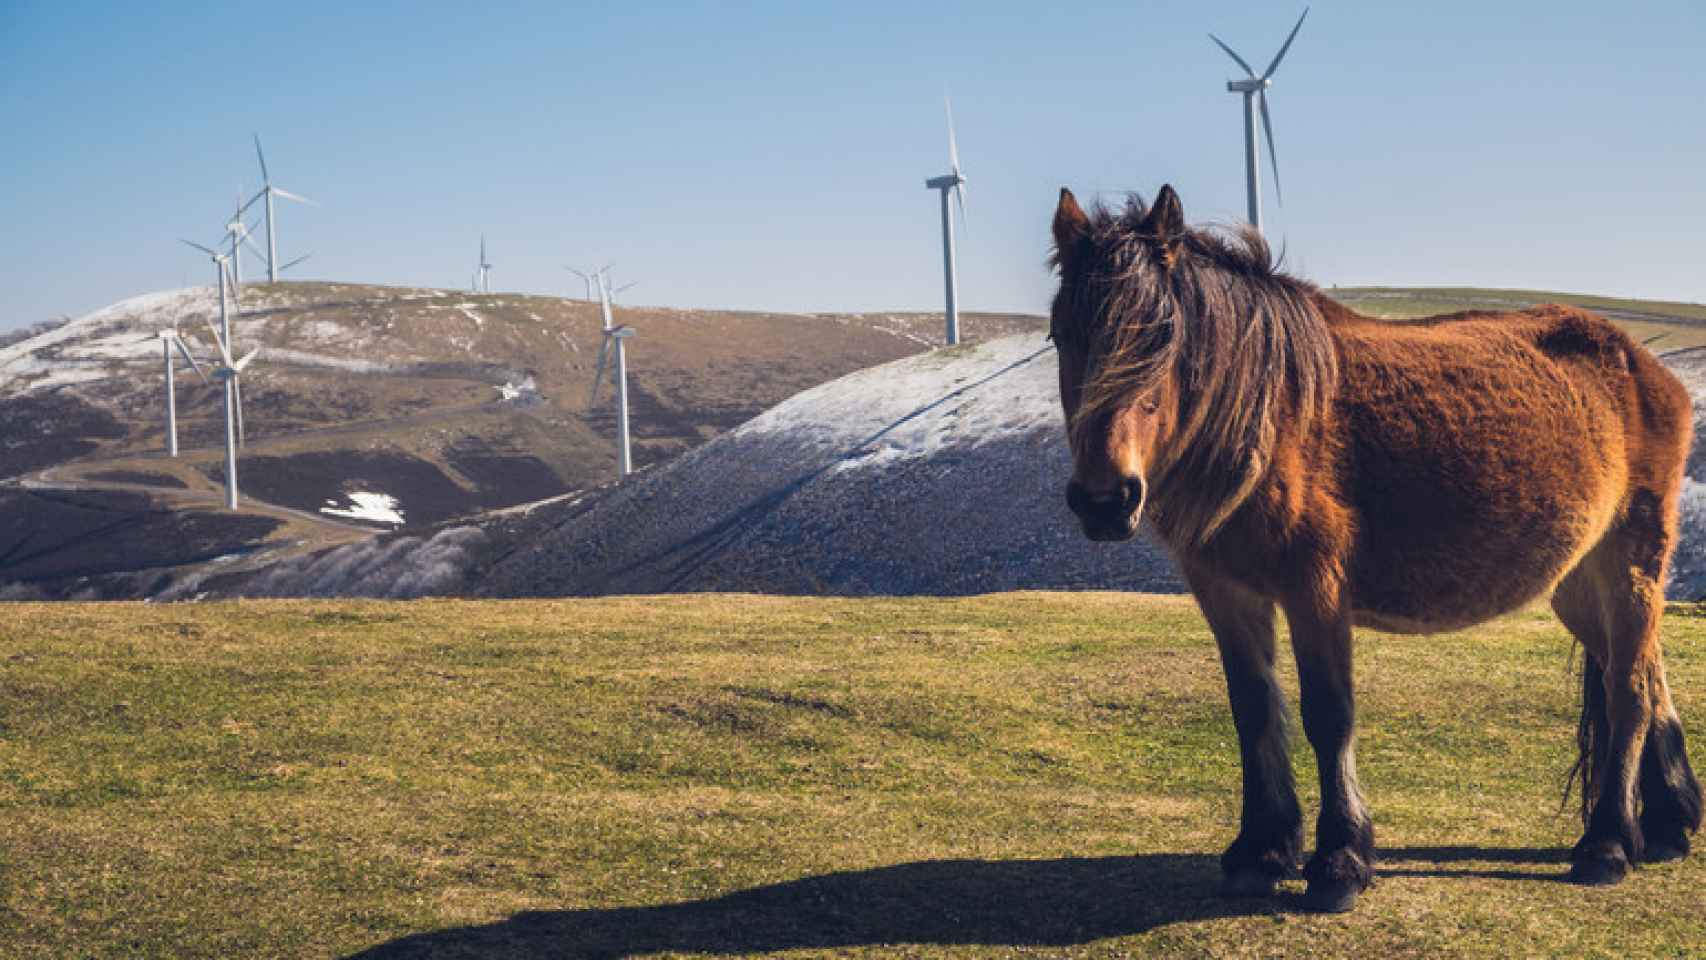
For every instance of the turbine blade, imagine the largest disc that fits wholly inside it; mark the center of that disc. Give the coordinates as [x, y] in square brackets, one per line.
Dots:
[598, 377]
[257, 251]
[1234, 56]
[286, 194]
[251, 202]
[1281, 55]
[185, 350]
[294, 262]
[206, 250]
[1273, 157]
[224, 354]
[953, 144]
[247, 357]
[625, 286]
[265, 177]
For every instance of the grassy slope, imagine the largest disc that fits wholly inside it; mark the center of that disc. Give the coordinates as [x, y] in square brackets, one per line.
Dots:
[1025, 773]
[1669, 326]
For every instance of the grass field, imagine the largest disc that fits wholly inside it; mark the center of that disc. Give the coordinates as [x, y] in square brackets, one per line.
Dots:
[1664, 324]
[1016, 775]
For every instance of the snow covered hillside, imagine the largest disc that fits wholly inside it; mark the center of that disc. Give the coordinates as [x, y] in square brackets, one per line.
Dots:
[938, 474]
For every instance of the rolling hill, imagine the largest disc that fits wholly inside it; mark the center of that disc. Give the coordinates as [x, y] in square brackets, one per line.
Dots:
[935, 474]
[437, 404]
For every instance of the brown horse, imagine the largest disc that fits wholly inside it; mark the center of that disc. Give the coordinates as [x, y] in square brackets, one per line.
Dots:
[1411, 477]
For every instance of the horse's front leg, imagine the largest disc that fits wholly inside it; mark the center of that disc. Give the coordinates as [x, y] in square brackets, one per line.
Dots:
[1271, 827]
[1343, 864]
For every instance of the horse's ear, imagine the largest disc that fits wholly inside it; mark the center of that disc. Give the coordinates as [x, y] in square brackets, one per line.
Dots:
[1071, 226]
[1167, 217]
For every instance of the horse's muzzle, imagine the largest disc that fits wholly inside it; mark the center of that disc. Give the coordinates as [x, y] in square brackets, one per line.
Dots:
[1111, 515]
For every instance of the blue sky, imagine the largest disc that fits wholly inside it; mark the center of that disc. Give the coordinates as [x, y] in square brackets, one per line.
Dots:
[773, 155]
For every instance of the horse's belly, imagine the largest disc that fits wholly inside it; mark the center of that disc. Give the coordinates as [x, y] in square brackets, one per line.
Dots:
[1431, 590]
[1444, 549]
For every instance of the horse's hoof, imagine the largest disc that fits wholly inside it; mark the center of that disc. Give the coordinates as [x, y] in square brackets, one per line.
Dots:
[1599, 871]
[1331, 896]
[1662, 852]
[1248, 883]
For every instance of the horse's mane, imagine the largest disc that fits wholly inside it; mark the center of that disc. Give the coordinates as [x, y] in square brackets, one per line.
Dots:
[1207, 325]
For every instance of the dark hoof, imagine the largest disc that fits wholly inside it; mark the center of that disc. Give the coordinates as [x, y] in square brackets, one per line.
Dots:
[1599, 871]
[1248, 883]
[1331, 896]
[1661, 852]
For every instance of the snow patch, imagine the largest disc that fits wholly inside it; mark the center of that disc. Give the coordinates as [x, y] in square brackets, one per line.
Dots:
[514, 391]
[365, 505]
[991, 392]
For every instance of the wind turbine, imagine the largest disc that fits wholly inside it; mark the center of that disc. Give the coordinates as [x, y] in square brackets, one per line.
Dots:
[227, 371]
[268, 191]
[482, 275]
[238, 233]
[953, 182]
[618, 335]
[1255, 89]
[168, 340]
[588, 277]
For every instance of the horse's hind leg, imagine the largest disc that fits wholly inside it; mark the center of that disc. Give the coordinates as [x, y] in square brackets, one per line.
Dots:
[1631, 737]
[1670, 795]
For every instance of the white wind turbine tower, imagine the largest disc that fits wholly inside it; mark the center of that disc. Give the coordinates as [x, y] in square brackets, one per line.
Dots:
[227, 371]
[953, 182]
[268, 192]
[618, 335]
[168, 340]
[1255, 89]
[482, 275]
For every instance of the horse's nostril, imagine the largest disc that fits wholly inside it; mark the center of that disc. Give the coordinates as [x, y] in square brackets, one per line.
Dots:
[1133, 491]
[1126, 497]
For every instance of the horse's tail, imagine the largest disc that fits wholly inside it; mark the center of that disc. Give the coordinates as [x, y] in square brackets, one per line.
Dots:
[1593, 736]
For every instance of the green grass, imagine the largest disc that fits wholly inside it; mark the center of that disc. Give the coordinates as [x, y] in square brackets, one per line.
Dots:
[1024, 774]
[1666, 325]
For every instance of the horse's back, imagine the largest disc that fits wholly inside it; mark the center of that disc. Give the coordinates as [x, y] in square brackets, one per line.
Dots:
[1484, 454]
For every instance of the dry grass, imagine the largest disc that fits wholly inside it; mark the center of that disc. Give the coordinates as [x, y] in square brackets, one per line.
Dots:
[1024, 774]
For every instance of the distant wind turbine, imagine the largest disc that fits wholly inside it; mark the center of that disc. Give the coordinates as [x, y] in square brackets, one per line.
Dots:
[237, 233]
[587, 277]
[619, 336]
[268, 192]
[227, 371]
[1255, 89]
[482, 274]
[168, 340]
[953, 182]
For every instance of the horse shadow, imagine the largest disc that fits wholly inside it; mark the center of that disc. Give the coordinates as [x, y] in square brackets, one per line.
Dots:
[999, 903]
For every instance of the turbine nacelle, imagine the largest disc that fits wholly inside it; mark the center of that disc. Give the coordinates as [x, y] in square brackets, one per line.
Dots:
[1249, 85]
